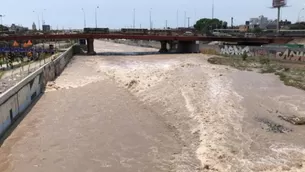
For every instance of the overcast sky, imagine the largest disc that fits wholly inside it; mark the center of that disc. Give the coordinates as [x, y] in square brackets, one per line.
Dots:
[119, 13]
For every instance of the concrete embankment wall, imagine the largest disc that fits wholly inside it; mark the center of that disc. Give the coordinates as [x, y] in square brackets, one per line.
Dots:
[17, 99]
[149, 44]
[280, 53]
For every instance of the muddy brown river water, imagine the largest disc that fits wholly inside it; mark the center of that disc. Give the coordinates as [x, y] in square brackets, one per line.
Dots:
[125, 111]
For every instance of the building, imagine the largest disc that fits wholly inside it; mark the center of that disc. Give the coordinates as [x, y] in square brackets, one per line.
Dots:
[46, 28]
[18, 28]
[243, 28]
[34, 26]
[260, 22]
[283, 24]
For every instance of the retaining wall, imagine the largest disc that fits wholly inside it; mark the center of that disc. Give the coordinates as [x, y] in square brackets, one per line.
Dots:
[280, 53]
[17, 99]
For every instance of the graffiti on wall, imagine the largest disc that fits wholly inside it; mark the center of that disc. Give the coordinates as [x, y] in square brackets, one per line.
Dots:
[260, 52]
[235, 50]
[291, 55]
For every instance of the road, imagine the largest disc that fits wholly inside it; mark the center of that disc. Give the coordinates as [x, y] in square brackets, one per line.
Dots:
[128, 112]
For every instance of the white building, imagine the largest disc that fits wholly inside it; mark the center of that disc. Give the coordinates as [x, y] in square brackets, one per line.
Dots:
[34, 26]
[262, 22]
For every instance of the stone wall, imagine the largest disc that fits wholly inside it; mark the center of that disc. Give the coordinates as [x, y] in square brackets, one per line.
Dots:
[17, 99]
[280, 53]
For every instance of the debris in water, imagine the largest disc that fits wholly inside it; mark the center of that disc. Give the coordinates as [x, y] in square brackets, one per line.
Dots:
[293, 119]
[132, 83]
[273, 127]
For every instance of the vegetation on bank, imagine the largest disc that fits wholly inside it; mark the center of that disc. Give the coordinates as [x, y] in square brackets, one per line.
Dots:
[1, 74]
[292, 74]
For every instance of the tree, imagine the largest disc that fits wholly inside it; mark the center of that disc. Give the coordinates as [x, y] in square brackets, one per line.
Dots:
[206, 24]
[257, 30]
[3, 28]
[296, 26]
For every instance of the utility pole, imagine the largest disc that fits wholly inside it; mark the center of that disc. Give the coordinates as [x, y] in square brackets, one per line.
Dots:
[84, 18]
[165, 24]
[96, 16]
[134, 18]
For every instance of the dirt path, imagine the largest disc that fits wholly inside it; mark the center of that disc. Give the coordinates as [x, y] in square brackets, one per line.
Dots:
[129, 112]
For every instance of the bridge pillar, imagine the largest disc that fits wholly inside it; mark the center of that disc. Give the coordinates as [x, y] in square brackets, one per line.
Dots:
[90, 46]
[188, 47]
[163, 48]
[172, 46]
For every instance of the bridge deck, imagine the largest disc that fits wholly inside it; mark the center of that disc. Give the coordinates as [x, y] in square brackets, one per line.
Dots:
[262, 40]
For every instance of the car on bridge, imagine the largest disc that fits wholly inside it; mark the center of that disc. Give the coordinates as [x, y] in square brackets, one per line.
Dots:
[134, 31]
[96, 30]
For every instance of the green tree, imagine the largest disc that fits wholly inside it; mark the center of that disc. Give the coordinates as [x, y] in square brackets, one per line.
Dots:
[3, 28]
[256, 30]
[296, 26]
[206, 24]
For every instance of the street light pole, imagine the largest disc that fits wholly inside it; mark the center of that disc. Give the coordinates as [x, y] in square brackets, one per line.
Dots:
[96, 16]
[150, 22]
[300, 14]
[195, 15]
[177, 18]
[184, 18]
[38, 19]
[1, 16]
[42, 19]
[188, 22]
[134, 18]
[84, 18]
[213, 9]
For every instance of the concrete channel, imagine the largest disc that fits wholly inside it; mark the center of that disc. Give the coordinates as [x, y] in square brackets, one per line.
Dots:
[145, 111]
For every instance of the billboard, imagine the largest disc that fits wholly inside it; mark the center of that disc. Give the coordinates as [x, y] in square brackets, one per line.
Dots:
[279, 3]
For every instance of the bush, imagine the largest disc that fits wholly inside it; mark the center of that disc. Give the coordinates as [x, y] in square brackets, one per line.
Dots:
[244, 56]
[264, 60]
[268, 69]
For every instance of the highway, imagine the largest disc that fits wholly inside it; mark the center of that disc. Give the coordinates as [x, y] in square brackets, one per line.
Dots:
[128, 111]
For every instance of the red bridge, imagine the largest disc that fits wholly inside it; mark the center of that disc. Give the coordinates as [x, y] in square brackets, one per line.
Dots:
[185, 43]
